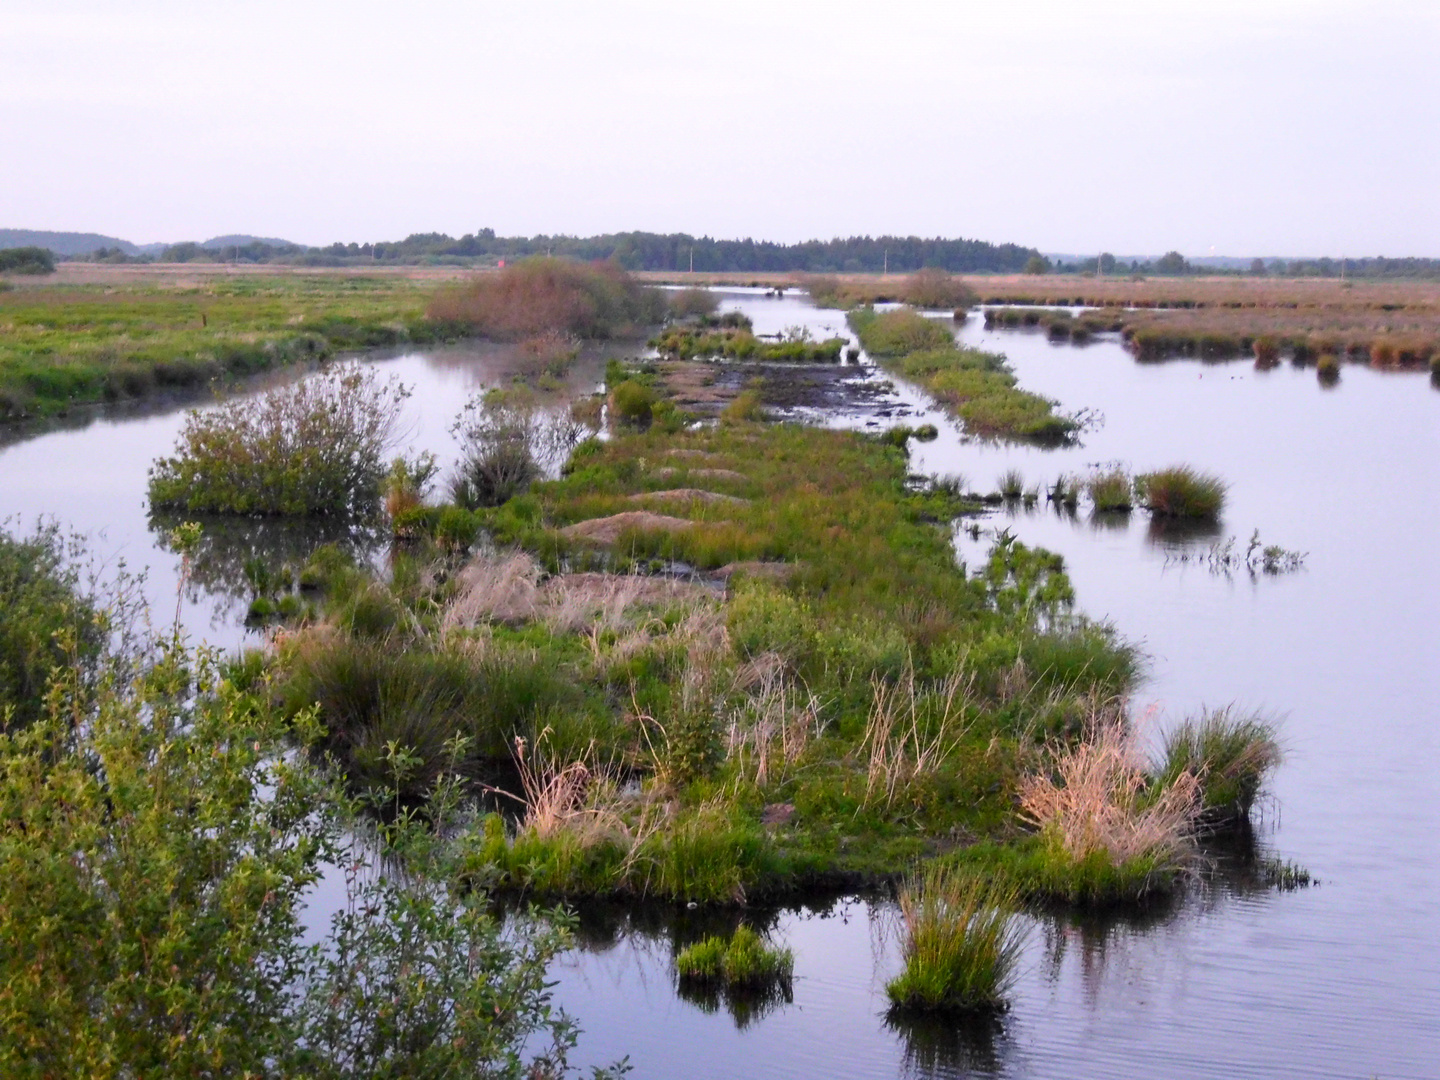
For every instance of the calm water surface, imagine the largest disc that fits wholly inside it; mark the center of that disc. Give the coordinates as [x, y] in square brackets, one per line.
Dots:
[1338, 980]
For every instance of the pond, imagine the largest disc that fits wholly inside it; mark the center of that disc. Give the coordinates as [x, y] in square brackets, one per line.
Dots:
[1341, 979]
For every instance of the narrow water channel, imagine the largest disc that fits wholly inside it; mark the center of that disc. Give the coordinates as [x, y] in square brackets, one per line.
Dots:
[1341, 979]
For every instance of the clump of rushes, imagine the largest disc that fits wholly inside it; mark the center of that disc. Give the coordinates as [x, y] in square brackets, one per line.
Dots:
[744, 962]
[1232, 755]
[1110, 491]
[1327, 368]
[962, 942]
[1181, 492]
[315, 447]
[1267, 351]
[1011, 484]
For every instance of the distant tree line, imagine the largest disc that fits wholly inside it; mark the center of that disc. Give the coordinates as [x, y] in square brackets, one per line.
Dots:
[631, 250]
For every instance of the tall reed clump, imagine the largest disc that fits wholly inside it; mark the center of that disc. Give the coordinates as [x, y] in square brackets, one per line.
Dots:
[539, 295]
[315, 447]
[744, 962]
[1110, 491]
[1182, 492]
[1231, 754]
[962, 942]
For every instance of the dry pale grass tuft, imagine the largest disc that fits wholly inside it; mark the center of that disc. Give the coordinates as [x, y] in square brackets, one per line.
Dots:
[911, 731]
[1097, 797]
[494, 589]
[607, 530]
[507, 588]
[776, 721]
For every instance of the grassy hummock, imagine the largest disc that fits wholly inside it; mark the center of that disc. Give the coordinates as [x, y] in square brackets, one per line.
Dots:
[977, 386]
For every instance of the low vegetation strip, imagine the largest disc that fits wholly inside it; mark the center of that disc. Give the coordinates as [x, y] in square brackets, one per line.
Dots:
[68, 345]
[975, 385]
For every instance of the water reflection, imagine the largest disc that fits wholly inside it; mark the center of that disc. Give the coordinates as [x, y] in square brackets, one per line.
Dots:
[948, 1047]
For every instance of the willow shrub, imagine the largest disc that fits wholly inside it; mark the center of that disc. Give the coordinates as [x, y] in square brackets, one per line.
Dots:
[315, 447]
[158, 842]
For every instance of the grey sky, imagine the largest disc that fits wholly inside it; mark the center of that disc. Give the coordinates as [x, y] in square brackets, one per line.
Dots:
[1260, 127]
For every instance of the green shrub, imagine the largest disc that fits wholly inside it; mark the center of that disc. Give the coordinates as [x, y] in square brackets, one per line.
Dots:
[632, 403]
[1181, 492]
[45, 622]
[962, 942]
[26, 260]
[316, 446]
[176, 838]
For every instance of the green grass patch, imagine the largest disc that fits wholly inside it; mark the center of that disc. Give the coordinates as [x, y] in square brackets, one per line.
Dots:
[744, 962]
[976, 386]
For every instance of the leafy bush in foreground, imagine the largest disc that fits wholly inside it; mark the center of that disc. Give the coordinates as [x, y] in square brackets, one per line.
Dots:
[154, 863]
[316, 446]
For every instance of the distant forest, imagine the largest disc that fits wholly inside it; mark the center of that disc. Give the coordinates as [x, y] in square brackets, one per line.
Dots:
[645, 251]
[681, 252]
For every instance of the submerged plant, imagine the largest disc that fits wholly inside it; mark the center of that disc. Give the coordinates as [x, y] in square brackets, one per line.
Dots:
[1181, 491]
[962, 941]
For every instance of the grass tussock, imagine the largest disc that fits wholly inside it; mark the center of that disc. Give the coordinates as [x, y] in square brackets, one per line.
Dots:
[744, 962]
[1230, 753]
[1181, 492]
[1110, 491]
[550, 295]
[962, 942]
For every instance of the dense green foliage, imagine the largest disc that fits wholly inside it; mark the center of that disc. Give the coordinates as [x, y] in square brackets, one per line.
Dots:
[42, 610]
[158, 838]
[975, 385]
[26, 260]
[314, 447]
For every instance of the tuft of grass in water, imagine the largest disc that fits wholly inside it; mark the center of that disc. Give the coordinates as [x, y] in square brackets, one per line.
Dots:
[1110, 490]
[744, 962]
[1011, 484]
[1232, 754]
[1182, 492]
[962, 941]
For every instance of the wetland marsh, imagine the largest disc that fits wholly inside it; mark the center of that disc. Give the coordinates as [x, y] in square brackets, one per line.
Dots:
[1334, 980]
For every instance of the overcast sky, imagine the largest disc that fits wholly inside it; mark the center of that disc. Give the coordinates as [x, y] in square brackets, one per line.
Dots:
[1255, 127]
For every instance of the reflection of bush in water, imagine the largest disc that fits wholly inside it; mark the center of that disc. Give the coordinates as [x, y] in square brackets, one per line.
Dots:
[228, 544]
[950, 1045]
